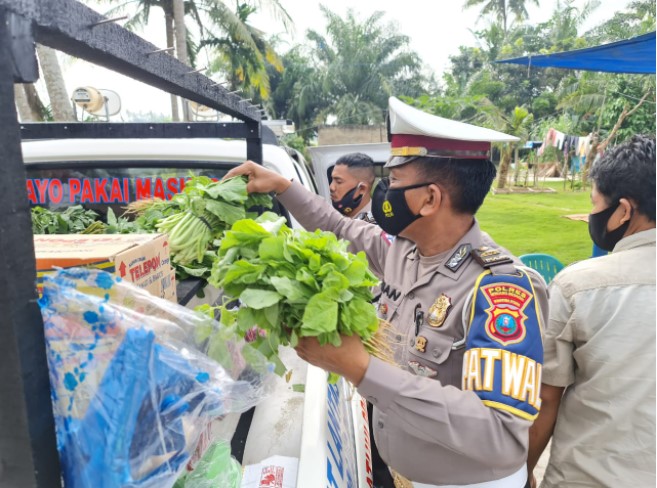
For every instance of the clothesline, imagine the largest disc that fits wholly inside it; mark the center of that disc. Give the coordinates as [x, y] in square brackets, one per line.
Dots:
[569, 144]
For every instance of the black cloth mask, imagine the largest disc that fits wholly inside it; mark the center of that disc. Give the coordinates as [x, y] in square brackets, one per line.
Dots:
[390, 209]
[348, 202]
[602, 238]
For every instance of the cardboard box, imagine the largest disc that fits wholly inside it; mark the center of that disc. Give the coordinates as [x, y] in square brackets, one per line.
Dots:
[163, 285]
[142, 259]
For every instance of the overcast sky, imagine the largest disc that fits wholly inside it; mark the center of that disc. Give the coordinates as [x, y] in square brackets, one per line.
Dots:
[436, 30]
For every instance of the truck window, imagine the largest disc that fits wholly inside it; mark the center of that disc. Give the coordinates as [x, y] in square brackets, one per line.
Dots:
[99, 185]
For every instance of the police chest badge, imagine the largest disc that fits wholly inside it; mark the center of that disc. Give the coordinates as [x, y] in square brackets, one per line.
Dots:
[506, 317]
[439, 310]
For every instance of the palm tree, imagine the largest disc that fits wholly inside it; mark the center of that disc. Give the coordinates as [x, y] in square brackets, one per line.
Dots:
[210, 17]
[180, 34]
[25, 111]
[518, 123]
[60, 102]
[360, 64]
[141, 16]
[243, 53]
[502, 9]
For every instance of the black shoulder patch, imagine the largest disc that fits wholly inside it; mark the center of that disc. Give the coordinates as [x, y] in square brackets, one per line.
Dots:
[488, 256]
[459, 257]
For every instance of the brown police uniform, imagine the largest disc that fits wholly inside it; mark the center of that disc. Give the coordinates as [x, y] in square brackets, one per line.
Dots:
[426, 427]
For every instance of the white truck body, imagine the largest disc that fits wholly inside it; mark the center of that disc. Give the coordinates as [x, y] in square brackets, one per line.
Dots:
[324, 427]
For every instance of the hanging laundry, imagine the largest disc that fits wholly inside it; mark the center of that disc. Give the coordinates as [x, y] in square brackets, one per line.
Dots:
[559, 139]
[584, 145]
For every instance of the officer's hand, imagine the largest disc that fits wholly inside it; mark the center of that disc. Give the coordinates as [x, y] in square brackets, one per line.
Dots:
[261, 180]
[350, 359]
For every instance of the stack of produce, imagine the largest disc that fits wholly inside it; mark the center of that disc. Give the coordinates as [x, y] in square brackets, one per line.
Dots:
[292, 284]
[72, 220]
[194, 220]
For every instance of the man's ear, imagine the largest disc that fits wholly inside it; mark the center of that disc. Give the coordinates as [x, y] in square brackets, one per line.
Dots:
[434, 199]
[627, 207]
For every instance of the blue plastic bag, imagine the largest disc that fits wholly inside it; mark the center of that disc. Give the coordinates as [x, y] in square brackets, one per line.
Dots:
[131, 381]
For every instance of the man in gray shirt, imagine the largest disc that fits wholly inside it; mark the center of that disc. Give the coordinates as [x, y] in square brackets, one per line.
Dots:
[598, 392]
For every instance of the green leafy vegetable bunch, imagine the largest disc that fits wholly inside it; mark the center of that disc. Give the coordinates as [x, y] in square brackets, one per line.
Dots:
[196, 218]
[72, 220]
[292, 284]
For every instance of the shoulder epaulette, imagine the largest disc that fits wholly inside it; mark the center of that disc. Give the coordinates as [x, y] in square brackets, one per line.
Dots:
[488, 257]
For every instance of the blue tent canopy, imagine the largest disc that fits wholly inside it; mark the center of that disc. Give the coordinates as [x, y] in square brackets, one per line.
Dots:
[635, 55]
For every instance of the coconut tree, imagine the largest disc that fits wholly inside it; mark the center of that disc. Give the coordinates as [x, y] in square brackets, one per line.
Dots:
[25, 112]
[60, 102]
[212, 19]
[180, 31]
[517, 123]
[242, 53]
[140, 12]
[360, 63]
[502, 10]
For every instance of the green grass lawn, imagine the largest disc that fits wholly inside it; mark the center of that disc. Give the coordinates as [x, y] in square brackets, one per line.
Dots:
[534, 223]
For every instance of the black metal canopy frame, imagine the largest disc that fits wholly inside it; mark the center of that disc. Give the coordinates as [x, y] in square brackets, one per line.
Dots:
[28, 453]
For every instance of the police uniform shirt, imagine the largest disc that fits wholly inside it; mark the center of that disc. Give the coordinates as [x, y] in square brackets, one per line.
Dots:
[426, 427]
[366, 214]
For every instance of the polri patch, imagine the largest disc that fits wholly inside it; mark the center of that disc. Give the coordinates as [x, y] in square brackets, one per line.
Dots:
[422, 370]
[488, 257]
[506, 316]
[439, 310]
[459, 257]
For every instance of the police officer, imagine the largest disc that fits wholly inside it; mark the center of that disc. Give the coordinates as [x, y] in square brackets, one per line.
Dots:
[456, 407]
[352, 179]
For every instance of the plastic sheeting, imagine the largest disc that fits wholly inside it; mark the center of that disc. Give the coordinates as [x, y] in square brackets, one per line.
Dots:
[135, 379]
[635, 55]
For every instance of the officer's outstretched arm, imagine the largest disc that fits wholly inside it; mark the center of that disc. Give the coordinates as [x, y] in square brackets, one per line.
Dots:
[260, 179]
[316, 213]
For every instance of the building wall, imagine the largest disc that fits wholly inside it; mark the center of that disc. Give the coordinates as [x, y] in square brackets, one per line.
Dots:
[329, 135]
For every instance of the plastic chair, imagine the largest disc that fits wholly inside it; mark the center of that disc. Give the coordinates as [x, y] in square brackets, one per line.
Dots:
[597, 252]
[548, 266]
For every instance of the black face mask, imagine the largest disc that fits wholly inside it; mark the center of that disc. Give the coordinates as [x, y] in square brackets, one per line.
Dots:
[390, 209]
[602, 238]
[348, 202]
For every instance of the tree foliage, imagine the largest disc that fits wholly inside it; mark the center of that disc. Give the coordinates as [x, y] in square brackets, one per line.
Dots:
[346, 74]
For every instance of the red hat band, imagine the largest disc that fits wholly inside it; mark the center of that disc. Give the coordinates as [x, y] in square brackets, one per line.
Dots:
[417, 145]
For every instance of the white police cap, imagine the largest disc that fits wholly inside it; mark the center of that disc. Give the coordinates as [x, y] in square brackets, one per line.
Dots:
[414, 133]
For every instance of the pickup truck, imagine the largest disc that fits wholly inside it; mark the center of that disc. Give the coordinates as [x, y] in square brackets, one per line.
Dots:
[325, 427]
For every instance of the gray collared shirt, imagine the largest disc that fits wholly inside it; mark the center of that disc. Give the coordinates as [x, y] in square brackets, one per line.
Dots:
[600, 345]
